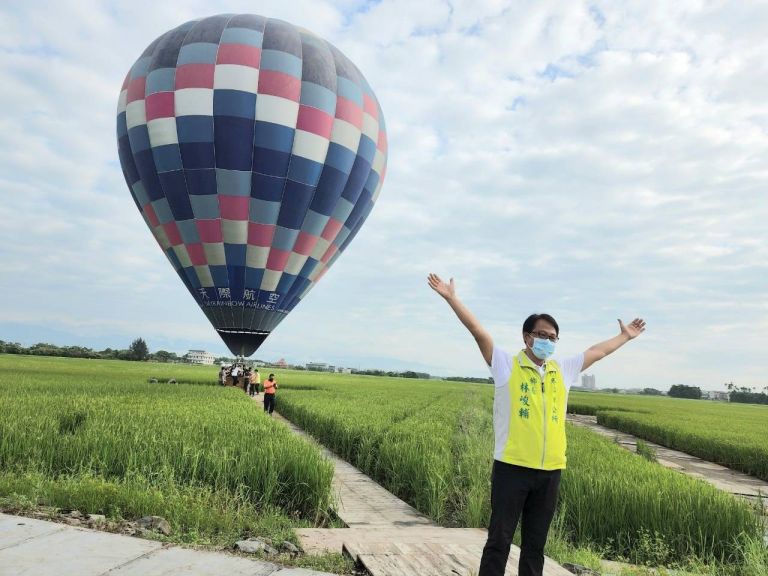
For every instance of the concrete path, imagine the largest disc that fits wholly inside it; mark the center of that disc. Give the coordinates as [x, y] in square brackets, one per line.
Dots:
[391, 538]
[30, 547]
[736, 483]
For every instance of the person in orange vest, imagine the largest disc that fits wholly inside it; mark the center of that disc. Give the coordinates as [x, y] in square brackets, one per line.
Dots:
[529, 407]
[270, 389]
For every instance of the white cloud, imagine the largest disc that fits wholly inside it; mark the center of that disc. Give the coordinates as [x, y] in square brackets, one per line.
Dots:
[596, 160]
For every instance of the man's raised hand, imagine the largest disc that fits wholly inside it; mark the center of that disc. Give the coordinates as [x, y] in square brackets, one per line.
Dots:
[633, 329]
[447, 291]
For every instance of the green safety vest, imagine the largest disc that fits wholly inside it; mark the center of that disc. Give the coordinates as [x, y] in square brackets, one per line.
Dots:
[536, 436]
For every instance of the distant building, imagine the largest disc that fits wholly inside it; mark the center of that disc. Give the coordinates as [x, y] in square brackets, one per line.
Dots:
[281, 363]
[200, 357]
[588, 381]
[716, 395]
[320, 367]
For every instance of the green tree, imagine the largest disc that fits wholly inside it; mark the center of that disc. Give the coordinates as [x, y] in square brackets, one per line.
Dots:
[683, 391]
[138, 350]
[164, 356]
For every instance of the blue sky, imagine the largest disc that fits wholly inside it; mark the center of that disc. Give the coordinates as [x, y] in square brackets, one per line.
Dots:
[594, 160]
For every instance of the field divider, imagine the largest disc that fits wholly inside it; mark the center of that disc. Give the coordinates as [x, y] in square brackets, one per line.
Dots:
[360, 500]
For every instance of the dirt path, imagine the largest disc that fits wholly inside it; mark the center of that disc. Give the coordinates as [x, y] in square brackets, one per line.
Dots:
[391, 538]
[736, 483]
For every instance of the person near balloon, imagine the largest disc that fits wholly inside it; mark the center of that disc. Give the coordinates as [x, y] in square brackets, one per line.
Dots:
[530, 399]
[247, 381]
[270, 389]
[222, 376]
[256, 381]
[235, 373]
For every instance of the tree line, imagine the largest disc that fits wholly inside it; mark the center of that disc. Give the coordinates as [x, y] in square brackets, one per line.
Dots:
[488, 380]
[138, 351]
[406, 374]
[746, 395]
[742, 395]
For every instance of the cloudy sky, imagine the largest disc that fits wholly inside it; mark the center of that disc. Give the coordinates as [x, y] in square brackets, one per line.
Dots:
[594, 160]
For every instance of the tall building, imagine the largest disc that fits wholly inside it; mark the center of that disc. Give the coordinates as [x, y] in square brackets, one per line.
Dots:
[588, 381]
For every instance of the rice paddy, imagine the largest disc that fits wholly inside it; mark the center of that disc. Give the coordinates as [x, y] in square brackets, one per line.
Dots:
[98, 436]
[733, 435]
[431, 443]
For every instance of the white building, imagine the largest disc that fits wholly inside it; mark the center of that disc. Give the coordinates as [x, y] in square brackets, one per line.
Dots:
[320, 367]
[588, 381]
[200, 357]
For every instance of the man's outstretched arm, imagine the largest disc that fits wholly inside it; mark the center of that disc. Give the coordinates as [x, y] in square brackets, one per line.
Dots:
[448, 291]
[601, 350]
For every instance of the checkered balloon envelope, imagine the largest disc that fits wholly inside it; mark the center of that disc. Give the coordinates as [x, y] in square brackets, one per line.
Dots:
[254, 151]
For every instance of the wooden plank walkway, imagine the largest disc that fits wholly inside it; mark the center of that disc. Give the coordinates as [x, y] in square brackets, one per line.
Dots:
[390, 537]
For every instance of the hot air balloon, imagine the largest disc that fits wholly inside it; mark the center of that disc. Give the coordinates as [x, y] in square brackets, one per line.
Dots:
[254, 151]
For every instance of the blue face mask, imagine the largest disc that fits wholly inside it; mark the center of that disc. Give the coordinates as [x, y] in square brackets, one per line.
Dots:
[542, 348]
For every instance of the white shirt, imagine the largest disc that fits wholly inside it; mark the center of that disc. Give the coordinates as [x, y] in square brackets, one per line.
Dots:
[501, 370]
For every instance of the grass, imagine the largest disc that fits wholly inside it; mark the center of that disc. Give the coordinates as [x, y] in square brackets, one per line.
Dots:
[646, 451]
[432, 447]
[98, 437]
[729, 434]
[644, 513]
[174, 434]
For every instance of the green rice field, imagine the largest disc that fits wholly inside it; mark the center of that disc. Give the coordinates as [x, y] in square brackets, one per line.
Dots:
[432, 446]
[97, 436]
[734, 435]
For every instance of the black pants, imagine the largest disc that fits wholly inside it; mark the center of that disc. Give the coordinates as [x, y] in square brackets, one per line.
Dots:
[269, 402]
[516, 490]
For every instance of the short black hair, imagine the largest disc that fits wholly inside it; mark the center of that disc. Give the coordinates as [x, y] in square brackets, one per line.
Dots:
[530, 322]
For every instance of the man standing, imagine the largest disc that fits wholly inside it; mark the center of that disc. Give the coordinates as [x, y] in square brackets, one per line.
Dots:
[256, 378]
[247, 381]
[529, 407]
[270, 389]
